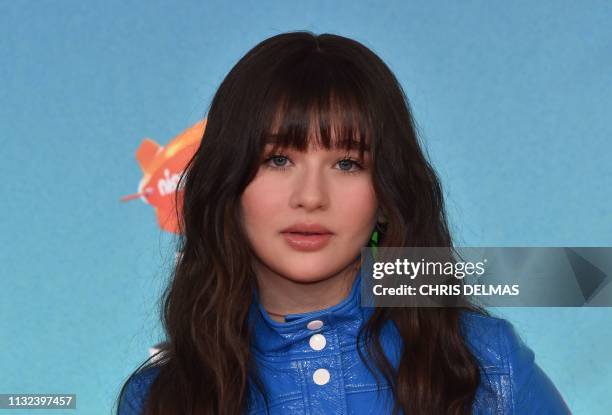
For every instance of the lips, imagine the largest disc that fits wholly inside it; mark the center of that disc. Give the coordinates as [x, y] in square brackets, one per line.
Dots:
[307, 236]
[307, 229]
[307, 242]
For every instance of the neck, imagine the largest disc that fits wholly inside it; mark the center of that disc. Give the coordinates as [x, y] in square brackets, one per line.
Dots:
[280, 296]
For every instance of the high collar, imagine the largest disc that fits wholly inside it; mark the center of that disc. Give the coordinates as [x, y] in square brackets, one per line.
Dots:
[271, 337]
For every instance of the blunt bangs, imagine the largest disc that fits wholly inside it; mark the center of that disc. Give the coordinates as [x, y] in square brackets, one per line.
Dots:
[317, 102]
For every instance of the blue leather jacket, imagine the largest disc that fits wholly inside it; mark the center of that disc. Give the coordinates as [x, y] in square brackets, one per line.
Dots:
[309, 365]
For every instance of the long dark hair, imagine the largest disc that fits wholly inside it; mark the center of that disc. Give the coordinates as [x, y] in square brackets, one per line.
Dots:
[289, 80]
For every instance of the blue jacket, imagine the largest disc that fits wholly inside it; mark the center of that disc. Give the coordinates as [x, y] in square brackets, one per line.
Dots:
[309, 365]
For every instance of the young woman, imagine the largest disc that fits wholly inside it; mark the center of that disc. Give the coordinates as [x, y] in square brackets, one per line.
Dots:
[310, 153]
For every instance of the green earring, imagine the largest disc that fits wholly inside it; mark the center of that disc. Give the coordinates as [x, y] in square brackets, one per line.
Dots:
[374, 238]
[373, 243]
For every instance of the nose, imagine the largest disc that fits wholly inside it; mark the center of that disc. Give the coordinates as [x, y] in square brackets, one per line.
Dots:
[310, 191]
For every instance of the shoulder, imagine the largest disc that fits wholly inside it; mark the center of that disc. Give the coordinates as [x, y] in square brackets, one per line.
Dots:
[491, 339]
[508, 366]
[136, 391]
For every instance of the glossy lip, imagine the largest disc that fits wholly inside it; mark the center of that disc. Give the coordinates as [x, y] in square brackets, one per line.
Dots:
[307, 227]
[295, 237]
[303, 242]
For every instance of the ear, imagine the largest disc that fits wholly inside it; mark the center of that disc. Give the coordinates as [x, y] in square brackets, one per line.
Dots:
[382, 217]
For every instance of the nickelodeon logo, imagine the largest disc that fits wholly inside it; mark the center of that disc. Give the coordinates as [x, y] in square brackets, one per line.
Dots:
[162, 167]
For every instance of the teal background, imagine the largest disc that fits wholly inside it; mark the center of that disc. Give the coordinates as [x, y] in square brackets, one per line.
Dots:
[513, 100]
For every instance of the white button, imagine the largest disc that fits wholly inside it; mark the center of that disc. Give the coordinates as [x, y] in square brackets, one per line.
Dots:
[321, 376]
[317, 341]
[315, 325]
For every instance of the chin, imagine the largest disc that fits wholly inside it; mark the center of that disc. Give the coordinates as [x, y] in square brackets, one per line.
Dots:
[307, 279]
[308, 269]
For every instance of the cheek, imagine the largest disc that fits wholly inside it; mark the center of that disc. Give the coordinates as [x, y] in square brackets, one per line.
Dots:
[356, 206]
[261, 203]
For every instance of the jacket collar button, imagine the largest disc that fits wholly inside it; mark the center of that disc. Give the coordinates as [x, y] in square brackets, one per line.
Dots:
[320, 376]
[315, 325]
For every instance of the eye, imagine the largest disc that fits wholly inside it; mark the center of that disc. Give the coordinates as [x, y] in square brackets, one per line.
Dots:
[276, 159]
[278, 162]
[349, 162]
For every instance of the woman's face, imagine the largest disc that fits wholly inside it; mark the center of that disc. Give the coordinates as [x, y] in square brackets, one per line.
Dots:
[322, 187]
